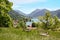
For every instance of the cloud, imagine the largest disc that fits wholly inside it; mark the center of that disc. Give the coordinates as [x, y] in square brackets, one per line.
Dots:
[26, 1]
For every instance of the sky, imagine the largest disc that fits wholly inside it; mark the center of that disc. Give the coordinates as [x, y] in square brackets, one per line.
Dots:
[27, 6]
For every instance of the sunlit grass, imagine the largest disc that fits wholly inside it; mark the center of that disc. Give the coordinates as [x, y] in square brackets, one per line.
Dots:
[19, 34]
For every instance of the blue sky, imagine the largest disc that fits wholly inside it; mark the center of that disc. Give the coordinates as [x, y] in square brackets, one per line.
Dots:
[27, 6]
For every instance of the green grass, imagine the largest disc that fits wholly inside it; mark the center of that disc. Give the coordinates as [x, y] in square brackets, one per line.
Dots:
[19, 34]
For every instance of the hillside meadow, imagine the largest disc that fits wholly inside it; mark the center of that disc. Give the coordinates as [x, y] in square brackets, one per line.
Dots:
[20, 34]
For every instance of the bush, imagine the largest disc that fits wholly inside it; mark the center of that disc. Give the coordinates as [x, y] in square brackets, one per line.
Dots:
[21, 24]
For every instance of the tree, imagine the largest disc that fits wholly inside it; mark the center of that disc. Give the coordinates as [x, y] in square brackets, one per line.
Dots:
[5, 19]
[46, 20]
[56, 22]
[49, 22]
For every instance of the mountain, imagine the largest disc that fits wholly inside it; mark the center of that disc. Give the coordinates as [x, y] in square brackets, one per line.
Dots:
[42, 12]
[20, 12]
[16, 14]
[58, 13]
[37, 13]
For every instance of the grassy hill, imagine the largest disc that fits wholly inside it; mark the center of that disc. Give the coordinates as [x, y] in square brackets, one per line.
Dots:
[19, 34]
[15, 14]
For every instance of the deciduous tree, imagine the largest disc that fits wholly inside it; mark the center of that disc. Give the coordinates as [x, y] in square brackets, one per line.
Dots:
[5, 7]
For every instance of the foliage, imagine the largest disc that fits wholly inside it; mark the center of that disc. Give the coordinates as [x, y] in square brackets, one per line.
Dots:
[21, 24]
[5, 7]
[45, 20]
[34, 24]
[49, 22]
[56, 22]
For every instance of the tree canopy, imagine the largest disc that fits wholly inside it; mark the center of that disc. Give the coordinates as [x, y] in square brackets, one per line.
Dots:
[5, 7]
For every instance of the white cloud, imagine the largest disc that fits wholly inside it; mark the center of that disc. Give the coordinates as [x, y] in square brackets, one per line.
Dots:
[53, 9]
[26, 1]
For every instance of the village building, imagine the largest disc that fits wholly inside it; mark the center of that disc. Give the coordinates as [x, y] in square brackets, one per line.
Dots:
[15, 22]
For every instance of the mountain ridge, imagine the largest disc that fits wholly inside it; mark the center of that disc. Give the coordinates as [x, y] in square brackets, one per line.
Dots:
[42, 12]
[34, 14]
[16, 15]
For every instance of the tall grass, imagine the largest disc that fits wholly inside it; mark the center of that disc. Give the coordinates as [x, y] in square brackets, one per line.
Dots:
[19, 34]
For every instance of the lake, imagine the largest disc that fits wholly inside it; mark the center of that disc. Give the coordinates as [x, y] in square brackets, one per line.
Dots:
[32, 20]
